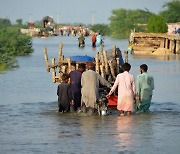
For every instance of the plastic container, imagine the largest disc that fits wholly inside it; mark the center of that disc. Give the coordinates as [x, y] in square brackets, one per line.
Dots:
[112, 101]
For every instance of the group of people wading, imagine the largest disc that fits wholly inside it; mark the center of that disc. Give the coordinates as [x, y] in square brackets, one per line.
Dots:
[96, 39]
[80, 94]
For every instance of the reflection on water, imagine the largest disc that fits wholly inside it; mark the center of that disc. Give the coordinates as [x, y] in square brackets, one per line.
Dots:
[157, 57]
[124, 128]
[36, 126]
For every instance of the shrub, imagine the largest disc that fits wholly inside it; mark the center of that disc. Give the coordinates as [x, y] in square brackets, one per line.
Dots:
[157, 24]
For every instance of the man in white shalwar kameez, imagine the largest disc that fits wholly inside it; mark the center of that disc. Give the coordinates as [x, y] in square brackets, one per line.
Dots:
[126, 90]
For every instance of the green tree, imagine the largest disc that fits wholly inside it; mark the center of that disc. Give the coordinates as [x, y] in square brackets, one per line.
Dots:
[19, 22]
[122, 21]
[5, 23]
[12, 44]
[15, 43]
[157, 24]
[7, 61]
[103, 28]
[172, 11]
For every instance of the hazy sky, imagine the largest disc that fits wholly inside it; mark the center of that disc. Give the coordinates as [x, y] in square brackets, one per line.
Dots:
[72, 11]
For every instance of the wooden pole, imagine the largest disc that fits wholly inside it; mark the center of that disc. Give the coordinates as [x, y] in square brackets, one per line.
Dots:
[77, 65]
[118, 65]
[102, 64]
[102, 59]
[101, 49]
[171, 46]
[177, 46]
[112, 68]
[126, 56]
[59, 73]
[97, 62]
[63, 68]
[101, 55]
[114, 51]
[102, 71]
[60, 56]
[162, 42]
[69, 64]
[166, 43]
[53, 71]
[106, 62]
[46, 60]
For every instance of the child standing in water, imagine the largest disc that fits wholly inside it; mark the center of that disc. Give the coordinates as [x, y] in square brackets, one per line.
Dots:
[64, 94]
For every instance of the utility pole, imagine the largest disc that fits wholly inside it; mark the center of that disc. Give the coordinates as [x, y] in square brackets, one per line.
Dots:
[30, 17]
[57, 17]
[92, 13]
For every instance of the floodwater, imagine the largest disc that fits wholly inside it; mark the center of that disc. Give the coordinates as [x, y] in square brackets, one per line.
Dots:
[30, 123]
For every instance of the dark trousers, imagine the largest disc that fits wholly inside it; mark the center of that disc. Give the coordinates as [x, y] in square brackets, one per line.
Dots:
[93, 44]
[63, 108]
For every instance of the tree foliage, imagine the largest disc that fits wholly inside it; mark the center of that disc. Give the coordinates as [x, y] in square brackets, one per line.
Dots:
[104, 29]
[19, 22]
[5, 23]
[7, 61]
[157, 24]
[12, 44]
[122, 21]
[172, 11]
